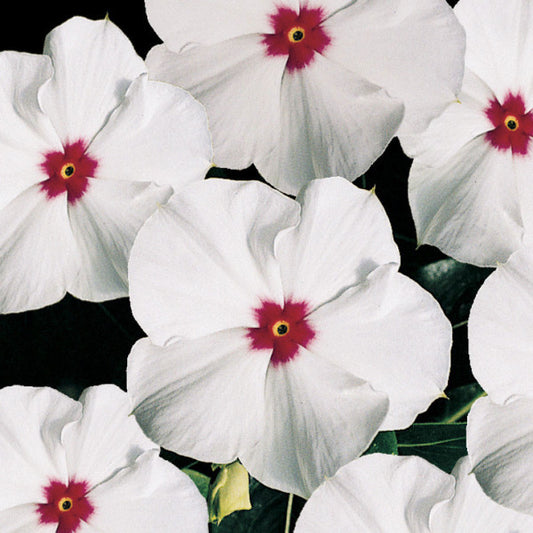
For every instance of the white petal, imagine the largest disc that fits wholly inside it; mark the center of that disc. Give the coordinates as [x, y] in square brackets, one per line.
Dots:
[201, 398]
[105, 221]
[343, 235]
[499, 41]
[240, 88]
[106, 438]
[37, 251]
[318, 417]
[394, 44]
[469, 206]
[24, 519]
[151, 495]
[204, 261]
[31, 453]
[499, 441]
[377, 494]
[26, 133]
[499, 329]
[391, 333]
[159, 133]
[471, 510]
[209, 21]
[94, 63]
[333, 123]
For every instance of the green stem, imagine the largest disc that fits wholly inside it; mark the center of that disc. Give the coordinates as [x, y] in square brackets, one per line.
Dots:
[289, 512]
[460, 324]
[463, 411]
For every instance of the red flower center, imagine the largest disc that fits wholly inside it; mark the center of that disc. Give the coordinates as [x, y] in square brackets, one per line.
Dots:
[68, 171]
[281, 329]
[297, 36]
[513, 127]
[67, 506]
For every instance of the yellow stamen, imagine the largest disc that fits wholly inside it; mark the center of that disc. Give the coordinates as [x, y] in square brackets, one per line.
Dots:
[296, 34]
[65, 504]
[511, 123]
[280, 328]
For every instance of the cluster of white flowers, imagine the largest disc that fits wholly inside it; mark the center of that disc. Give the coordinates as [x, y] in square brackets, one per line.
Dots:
[280, 331]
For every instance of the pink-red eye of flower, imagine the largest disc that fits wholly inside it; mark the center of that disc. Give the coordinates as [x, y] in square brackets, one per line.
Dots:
[281, 329]
[66, 506]
[298, 36]
[513, 127]
[68, 171]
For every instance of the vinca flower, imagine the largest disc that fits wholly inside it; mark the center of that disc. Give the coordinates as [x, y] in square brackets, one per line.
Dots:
[470, 186]
[279, 331]
[83, 135]
[384, 493]
[500, 427]
[86, 467]
[304, 88]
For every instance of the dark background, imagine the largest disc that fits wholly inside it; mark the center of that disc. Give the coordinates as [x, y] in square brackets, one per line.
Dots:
[75, 344]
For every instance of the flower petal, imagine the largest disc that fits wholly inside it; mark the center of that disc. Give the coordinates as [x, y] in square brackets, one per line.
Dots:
[94, 63]
[209, 21]
[499, 441]
[105, 221]
[471, 510]
[393, 334]
[105, 439]
[393, 44]
[318, 417]
[200, 398]
[500, 332]
[151, 495]
[468, 207]
[31, 453]
[204, 261]
[26, 133]
[159, 133]
[343, 235]
[499, 40]
[37, 250]
[333, 123]
[240, 89]
[24, 519]
[377, 493]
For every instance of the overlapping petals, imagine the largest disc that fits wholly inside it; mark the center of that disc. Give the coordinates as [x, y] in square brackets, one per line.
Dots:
[499, 431]
[381, 493]
[242, 292]
[89, 147]
[304, 89]
[83, 466]
[469, 186]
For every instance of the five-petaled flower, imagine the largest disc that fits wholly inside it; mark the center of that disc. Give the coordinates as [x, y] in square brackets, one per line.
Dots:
[71, 466]
[84, 138]
[280, 331]
[470, 186]
[308, 90]
[389, 493]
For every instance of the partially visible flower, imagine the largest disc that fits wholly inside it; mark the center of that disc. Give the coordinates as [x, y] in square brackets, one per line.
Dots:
[84, 139]
[305, 89]
[280, 331]
[78, 466]
[470, 186]
[384, 493]
[500, 427]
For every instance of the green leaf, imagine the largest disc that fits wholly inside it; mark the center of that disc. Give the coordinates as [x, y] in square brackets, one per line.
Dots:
[440, 444]
[385, 442]
[460, 400]
[200, 480]
[267, 515]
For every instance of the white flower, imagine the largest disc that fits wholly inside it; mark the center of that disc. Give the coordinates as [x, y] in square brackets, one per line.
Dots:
[85, 466]
[280, 331]
[500, 427]
[305, 89]
[385, 493]
[82, 136]
[470, 185]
